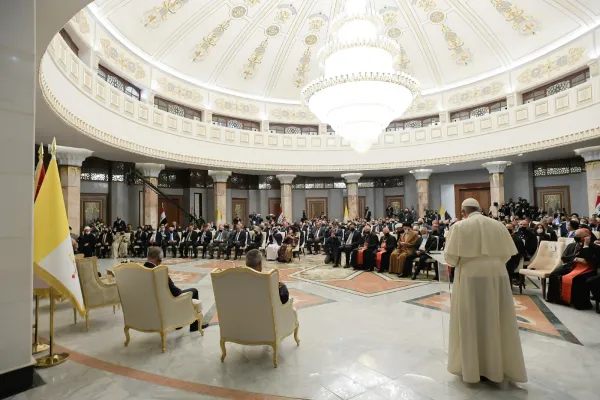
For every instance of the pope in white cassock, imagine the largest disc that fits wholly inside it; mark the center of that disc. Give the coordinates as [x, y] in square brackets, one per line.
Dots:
[484, 337]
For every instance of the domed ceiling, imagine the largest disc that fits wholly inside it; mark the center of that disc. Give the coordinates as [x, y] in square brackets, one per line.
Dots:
[267, 49]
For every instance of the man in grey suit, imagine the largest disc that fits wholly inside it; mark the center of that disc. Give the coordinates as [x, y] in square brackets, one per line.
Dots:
[220, 242]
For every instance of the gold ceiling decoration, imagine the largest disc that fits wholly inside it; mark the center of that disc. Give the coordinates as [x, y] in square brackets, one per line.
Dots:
[394, 32]
[475, 94]
[420, 107]
[255, 59]
[311, 39]
[552, 65]
[236, 107]
[521, 22]
[180, 91]
[82, 22]
[282, 14]
[426, 5]
[153, 17]
[437, 17]
[238, 12]
[202, 49]
[460, 54]
[293, 114]
[122, 59]
[303, 67]
[252, 3]
[402, 62]
[390, 18]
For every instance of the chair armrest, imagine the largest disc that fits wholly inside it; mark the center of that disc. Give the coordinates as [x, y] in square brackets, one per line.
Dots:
[178, 310]
[286, 319]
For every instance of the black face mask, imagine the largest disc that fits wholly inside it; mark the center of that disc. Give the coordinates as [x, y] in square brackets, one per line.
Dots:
[523, 228]
[577, 239]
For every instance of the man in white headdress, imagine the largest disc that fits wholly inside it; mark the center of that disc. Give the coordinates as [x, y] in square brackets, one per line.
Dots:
[484, 337]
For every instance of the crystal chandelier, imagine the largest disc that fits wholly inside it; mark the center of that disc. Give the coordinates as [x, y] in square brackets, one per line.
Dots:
[359, 93]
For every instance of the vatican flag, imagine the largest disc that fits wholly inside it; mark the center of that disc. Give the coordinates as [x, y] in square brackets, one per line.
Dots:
[442, 212]
[219, 215]
[53, 258]
[346, 213]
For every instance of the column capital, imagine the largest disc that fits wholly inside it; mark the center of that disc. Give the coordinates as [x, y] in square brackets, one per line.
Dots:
[589, 153]
[285, 179]
[421, 174]
[353, 177]
[219, 176]
[72, 156]
[496, 167]
[149, 170]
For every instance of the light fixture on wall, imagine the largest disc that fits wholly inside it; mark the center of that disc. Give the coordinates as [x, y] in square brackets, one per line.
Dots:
[359, 93]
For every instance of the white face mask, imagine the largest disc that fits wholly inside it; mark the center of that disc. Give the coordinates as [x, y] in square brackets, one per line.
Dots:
[540, 230]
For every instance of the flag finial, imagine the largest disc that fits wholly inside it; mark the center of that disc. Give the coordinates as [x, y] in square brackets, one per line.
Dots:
[53, 147]
[41, 151]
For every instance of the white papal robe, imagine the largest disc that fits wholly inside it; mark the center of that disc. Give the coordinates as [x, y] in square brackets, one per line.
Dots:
[484, 336]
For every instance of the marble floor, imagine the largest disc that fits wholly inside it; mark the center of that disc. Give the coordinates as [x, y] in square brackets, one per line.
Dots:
[364, 336]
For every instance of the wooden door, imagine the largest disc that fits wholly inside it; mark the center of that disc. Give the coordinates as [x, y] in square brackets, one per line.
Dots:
[172, 212]
[239, 209]
[362, 203]
[316, 206]
[275, 206]
[478, 191]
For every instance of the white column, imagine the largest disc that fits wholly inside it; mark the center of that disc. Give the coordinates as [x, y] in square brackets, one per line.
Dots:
[322, 129]
[594, 68]
[264, 126]
[352, 188]
[220, 191]
[150, 171]
[70, 160]
[444, 117]
[207, 116]
[17, 122]
[422, 178]
[591, 155]
[496, 170]
[286, 196]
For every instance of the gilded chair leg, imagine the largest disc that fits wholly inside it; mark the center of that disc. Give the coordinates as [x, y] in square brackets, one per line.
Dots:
[114, 309]
[275, 355]
[163, 339]
[223, 350]
[296, 335]
[74, 315]
[200, 319]
[87, 321]
[127, 338]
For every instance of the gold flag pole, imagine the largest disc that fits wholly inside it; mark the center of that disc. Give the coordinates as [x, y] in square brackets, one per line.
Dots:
[37, 346]
[51, 359]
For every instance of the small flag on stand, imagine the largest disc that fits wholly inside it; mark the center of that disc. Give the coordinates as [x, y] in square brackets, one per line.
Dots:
[40, 172]
[219, 215]
[163, 215]
[597, 209]
[346, 213]
[280, 218]
[53, 258]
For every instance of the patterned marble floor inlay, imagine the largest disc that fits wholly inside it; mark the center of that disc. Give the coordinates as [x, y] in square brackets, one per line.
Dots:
[185, 277]
[532, 314]
[301, 298]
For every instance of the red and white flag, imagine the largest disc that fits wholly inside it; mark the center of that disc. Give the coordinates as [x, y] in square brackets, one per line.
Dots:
[163, 215]
[597, 209]
[280, 218]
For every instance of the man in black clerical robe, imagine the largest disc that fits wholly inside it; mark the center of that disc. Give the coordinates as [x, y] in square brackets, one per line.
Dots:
[568, 283]
[87, 243]
[364, 256]
[387, 245]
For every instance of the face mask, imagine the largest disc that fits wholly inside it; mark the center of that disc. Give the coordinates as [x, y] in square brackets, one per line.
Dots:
[540, 231]
[577, 239]
[352, 229]
[523, 228]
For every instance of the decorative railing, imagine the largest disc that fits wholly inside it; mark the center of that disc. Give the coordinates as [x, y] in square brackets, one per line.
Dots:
[578, 98]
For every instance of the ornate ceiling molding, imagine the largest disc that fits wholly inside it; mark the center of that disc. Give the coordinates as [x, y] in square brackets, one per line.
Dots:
[550, 66]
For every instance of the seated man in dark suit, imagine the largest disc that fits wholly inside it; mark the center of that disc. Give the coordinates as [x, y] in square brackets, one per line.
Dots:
[528, 237]
[155, 257]
[202, 239]
[429, 242]
[236, 241]
[257, 240]
[172, 240]
[104, 242]
[254, 261]
[140, 242]
[350, 242]
[513, 263]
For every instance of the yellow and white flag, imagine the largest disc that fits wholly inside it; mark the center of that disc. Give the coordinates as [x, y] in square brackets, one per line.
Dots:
[53, 258]
[218, 221]
[346, 213]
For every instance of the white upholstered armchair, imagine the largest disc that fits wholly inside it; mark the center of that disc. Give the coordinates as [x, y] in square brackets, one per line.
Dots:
[250, 311]
[149, 306]
[97, 292]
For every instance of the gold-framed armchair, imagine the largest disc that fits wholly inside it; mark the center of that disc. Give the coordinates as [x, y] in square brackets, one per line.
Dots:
[250, 310]
[97, 292]
[149, 306]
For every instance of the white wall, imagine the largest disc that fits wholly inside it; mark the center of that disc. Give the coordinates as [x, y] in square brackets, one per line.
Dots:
[577, 186]
[17, 124]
